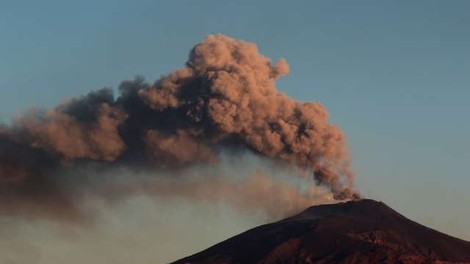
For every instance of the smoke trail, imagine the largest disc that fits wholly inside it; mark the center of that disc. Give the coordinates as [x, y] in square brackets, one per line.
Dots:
[126, 215]
[223, 99]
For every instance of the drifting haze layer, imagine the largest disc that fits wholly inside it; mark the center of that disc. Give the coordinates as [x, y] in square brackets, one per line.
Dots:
[149, 217]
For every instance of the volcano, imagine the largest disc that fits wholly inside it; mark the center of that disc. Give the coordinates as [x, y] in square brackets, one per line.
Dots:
[361, 231]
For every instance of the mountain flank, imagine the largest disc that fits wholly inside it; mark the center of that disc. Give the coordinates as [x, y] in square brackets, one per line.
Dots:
[359, 231]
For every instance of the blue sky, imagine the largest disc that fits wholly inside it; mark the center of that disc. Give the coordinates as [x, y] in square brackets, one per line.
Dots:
[393, 75]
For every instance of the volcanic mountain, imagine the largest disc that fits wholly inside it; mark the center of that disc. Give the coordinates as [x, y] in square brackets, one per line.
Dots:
[361, 231]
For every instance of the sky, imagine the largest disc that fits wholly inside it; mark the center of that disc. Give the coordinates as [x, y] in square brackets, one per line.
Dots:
[393, 75]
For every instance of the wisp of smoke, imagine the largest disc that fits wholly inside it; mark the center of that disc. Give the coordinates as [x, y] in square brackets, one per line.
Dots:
[224, 100]
[150, 216]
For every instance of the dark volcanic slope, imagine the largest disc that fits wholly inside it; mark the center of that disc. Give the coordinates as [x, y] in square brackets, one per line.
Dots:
[363, 231]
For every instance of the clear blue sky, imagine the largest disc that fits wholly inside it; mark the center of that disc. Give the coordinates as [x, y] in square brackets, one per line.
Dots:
[393, 74]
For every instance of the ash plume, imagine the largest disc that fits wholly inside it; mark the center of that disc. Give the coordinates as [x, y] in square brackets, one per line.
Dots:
[224, 98]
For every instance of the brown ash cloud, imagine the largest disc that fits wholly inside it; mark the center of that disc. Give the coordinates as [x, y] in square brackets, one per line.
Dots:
[224, 98]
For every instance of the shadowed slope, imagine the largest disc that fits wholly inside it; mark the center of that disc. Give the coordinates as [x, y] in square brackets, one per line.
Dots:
[363, 231]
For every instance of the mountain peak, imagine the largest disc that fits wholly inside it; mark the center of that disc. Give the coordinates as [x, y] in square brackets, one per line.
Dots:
[364, 208]
[358, 231]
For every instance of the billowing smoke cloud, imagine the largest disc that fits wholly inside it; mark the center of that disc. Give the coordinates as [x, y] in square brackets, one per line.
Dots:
[224, 99]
